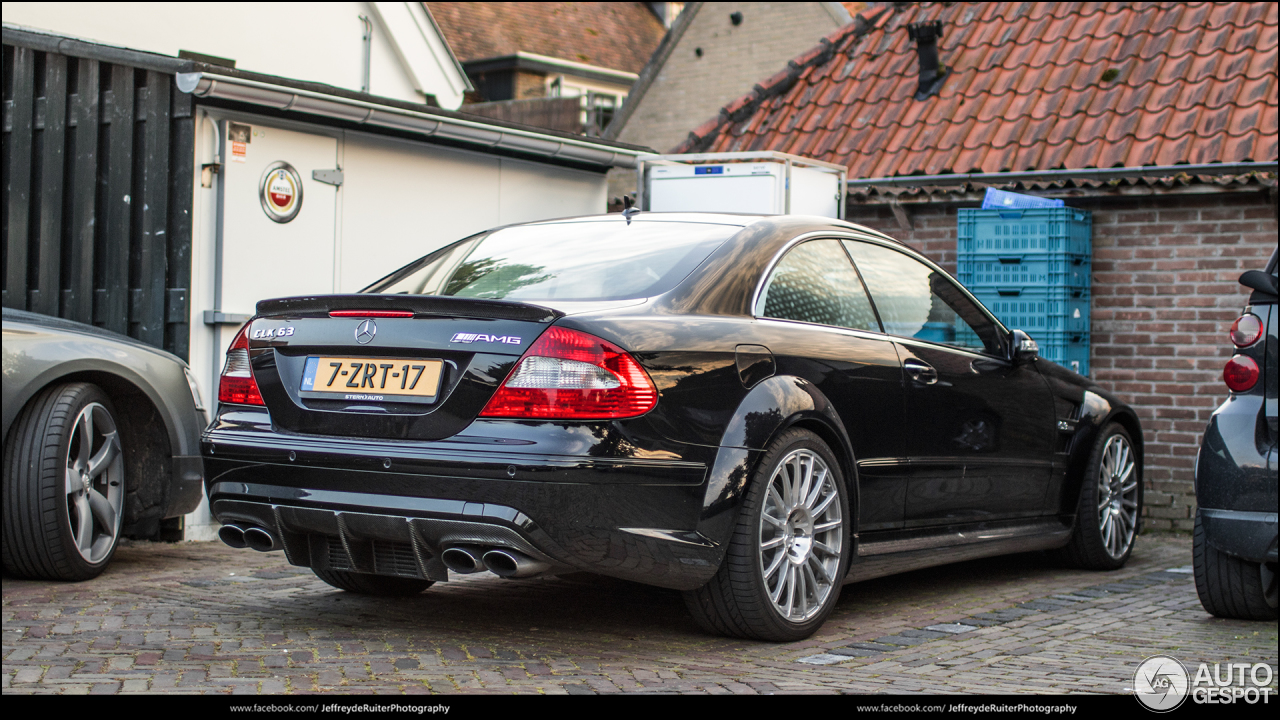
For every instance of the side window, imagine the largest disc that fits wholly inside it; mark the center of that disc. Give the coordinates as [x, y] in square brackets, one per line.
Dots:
[815, 283]
[918, 302]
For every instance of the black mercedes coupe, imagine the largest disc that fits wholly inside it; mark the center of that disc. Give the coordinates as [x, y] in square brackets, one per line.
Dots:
[752, 410]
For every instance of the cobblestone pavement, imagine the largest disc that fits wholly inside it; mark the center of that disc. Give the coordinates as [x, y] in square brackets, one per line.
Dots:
[203, 618]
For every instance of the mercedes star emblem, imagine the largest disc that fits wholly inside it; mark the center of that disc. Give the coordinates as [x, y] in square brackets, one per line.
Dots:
[365, 332]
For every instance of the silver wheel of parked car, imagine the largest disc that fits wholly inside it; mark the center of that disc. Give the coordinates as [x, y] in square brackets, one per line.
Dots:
[1109, 507]
[64, 486]
[1117, 497]
[95, 483]
[801, 534]
[785, 563]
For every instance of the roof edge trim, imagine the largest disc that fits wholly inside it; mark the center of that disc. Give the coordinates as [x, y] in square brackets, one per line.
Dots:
[522, 60]
[280, 97]
[1146, 171]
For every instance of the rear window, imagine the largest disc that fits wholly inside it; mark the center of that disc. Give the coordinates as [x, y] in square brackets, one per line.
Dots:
[571, 261]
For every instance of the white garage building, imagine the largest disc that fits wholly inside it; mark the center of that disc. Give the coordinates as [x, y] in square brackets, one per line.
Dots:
[263, 165]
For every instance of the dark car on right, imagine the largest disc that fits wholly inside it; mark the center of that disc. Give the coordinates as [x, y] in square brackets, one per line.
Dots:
[1235, 529]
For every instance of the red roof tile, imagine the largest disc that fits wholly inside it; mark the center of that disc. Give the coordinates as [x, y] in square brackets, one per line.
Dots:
[613, 35]
[1032, 86]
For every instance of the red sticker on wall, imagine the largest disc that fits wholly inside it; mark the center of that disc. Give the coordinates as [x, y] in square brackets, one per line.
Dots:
[281, 192]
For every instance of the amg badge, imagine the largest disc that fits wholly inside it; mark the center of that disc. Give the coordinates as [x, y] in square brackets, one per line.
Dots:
[479, 337]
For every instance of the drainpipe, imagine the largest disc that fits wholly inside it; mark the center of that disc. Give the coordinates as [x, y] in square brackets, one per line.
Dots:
[367, 40]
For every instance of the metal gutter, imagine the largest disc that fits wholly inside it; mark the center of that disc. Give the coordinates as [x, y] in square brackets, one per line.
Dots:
[362, 112]
[1149, 171]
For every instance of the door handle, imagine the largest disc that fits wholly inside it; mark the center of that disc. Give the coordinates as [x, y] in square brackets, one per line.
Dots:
[921, 372]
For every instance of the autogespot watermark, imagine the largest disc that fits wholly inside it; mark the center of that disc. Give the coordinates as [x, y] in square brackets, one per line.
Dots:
[1161, 683]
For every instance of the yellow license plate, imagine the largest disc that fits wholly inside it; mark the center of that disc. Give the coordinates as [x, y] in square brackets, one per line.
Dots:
[366, 377]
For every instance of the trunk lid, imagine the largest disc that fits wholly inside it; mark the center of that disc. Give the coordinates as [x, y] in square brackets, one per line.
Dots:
[389, 366]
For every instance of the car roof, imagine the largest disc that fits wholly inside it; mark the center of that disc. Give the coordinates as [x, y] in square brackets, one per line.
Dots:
[708, 218]
[739, 220]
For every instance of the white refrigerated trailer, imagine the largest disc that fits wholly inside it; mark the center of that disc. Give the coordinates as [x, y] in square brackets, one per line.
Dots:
[770, 183]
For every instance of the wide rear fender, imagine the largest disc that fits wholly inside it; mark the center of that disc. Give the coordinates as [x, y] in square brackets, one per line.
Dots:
[769, 409]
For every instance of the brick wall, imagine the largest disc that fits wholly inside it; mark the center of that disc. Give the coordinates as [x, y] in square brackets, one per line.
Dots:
[1164, 296]
[528, 85]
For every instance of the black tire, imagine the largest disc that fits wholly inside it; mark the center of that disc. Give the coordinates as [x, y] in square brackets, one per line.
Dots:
[52, 532]
[1230, 587]
[1091, 546]
[365, 584]
[745, 598]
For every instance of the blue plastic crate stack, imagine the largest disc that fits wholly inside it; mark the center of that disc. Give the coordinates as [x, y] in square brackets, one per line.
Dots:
[1031, 267]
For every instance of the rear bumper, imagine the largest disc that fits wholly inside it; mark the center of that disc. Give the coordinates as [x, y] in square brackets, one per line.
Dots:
[1236, 465]
[1235, 479]
[1247, 535]
[399, 504]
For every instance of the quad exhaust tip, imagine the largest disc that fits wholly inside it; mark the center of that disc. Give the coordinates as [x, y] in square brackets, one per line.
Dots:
[259, 539]
[511, 564]
[463, 559]
[468, 559]
[232, 535]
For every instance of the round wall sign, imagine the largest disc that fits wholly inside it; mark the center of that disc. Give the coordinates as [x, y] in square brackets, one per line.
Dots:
[281, 192]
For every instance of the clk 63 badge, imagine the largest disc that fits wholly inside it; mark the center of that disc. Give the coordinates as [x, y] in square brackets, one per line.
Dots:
[266, 333]
[480, 337]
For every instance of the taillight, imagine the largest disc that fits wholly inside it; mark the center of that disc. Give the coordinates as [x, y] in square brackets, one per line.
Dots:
[1246, 330]
[1241, 373]
[237, 384]
[568, 374]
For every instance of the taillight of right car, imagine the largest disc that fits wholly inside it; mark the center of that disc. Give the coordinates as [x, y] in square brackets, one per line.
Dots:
[1241, 373]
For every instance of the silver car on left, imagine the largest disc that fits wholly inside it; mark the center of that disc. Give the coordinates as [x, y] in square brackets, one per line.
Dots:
[101, 439]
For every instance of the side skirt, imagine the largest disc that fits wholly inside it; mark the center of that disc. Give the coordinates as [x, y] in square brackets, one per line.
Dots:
[897, 551]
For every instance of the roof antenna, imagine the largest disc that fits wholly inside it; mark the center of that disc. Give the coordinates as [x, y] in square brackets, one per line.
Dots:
[628, 211]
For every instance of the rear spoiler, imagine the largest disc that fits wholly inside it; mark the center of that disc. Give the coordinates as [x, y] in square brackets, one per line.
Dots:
[433, 305]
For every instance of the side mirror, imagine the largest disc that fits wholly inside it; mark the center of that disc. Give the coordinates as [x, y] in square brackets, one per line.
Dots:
[1024, 348]
[1260, 281]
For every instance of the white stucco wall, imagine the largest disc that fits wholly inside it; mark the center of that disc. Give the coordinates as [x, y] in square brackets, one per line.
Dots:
[318, 42]
[399, 200]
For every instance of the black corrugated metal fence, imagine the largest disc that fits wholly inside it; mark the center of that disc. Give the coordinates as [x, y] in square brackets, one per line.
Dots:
[98, 166]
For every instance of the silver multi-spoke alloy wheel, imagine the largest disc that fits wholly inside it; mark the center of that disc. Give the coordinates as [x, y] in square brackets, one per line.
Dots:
[94, 483]
[1117, 497]
[801, 534]
[784, 566]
